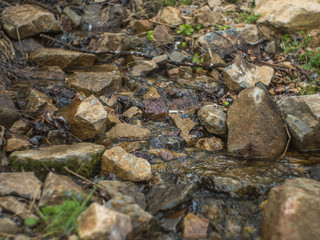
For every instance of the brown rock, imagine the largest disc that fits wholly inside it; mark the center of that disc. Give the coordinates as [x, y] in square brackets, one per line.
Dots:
[154, 109]
[8, 227]
[126, 166]
[17, 142]
[166, 154]
[195, 227]
[174, 72]
[255, 126]
[143, 67]
[206, 17]
[151, 93]
[62, 58]
[140, 26]
[293, 211]
[128, 132]
[118, 41]
[133, 146]
[210, 144]
[28, 20]
[213, 118]
[12, 205]
[38, 101]
[133, 112]
[8, 112]
[170, 16]
[161, 34]
[20, 127]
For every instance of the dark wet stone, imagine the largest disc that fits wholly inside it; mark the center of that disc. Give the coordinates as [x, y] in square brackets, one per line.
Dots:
[155, 109]
[162, 199]
[169, 142]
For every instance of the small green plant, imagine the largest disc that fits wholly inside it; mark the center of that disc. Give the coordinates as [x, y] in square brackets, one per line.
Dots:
[196, 59]
[61, 218]
[248, 17]
[186, 2]
[185, 29]
[150, 36]
[173, 3]
[226, 104]
[222, 27]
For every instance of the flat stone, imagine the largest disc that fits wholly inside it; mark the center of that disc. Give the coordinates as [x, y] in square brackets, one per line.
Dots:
[133, 146]
[118, 41]
[90, 118]
[133, 112]
[154, 109]
[28, 20]
[12, 205]
[242, 74]
[195, 227]
[8, 227]
[151, 93]
[213, 118]
[143, 67]
[96, 83]
[126, 131]
[166, 154]
[100, 222]
[20, 127]
[39, 102]
[22, 184]
[81, 158]
[210, 144]
[302, 114]
[62, 58]
[293, 211]
[255, 126]
[125, 165]
[17, 142]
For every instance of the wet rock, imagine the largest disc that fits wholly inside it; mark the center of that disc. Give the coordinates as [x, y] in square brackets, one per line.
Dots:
[139, 218]
[99, 222]
[133, 146]
[123, 190]
[242, 74]
[143, 68]
[195, 227]
[133, 112]
[210, 144]
[141, 26]
[154, 109]
[185, 124]
[175, 143]
[80, 157]
[118, 42]
[293, 211]
[55, 137]
[126, 131]
[97, 83]
[166, 154]
[17, 142]
[62, 58]
[39, 102]
[20, 127]
[28, 20]
[90, 119]
[286, 15]
[239, 37]
[8, 227]
[302, 114]
[12, 205]
[125, 165]
[213, 118]
[151, 93]
[170, 16]
[22, 184]
[255, 126]
[58, 187]
[206, 17]
[8, 112]
[162, 199]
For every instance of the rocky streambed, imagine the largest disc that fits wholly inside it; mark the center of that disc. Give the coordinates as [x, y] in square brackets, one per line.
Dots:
[117, 126]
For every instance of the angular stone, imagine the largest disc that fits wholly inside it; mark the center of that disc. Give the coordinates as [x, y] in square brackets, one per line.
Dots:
[185, 125]
[17, 142]
[143, 67]
[118, 42]
[162, 199]
[126, 131]
[151, 93]
[96, 83]
[177, 56]
[90, 118]
[20, 127]
[166, 154]
[133, 146]
[293, 211]
[213, 118]
[210, 144]
[28, 20]
[12, 205]
[22, 184]
[139, 218]
[81, 158]
[206, 17]
[39, 102]
[287, 15]
[8, 112]
[141, 26]
[255, 126]
[133, 112]
[8, 227]
[123, 190]
[99, 222]
[155, 109]
[170, 16]
[195, 227]
[55, 137]
[62, 58]
[242, 74]
[161, 34]
[57, 187]
[125, 165]
[302, 114]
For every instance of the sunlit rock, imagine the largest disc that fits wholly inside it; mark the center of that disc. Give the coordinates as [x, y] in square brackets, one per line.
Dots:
[126, 131]
[213, 118]
[170, 16]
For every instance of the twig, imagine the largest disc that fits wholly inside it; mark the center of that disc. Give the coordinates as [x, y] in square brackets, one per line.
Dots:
[288, 142]
[82, 178]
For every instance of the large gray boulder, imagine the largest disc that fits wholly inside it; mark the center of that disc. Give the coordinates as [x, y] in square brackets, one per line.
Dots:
[302, 114]
[293, 211]
[256, 129]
